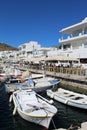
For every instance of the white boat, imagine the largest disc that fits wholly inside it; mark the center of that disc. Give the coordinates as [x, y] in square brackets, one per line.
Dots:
[7, 76]
[69, 98]
[23, 79]
[4, 77]
[33, 107]
[39, 84]
[36, 77]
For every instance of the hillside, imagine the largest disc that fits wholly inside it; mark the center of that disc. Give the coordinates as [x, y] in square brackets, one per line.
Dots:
[6, 47]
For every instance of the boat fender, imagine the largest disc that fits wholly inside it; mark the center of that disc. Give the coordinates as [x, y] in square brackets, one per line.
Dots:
[14, 111]
[52, 95]
[10, 99]
[51, 101]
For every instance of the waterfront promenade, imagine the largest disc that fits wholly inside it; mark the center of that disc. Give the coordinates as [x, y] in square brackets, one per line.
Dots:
[73, 81]
[66, 76]
[69, 77]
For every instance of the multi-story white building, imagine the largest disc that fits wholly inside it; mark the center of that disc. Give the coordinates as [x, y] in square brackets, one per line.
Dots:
[31, 49]
[74, 40]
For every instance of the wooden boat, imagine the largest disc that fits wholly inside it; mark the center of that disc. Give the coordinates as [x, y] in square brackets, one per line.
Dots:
[69, 98]
[33, 107]
[39, 85]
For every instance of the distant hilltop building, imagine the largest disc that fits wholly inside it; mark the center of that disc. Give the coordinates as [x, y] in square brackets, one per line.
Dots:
[7, 52]
[26, 50]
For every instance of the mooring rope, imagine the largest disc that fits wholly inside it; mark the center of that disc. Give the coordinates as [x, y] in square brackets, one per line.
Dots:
[54, 124]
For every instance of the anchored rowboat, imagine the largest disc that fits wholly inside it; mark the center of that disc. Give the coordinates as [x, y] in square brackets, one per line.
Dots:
[33, 107]
[68, 97]
[38, 85]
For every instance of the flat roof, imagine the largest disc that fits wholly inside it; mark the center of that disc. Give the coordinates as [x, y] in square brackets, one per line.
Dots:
[76, 28]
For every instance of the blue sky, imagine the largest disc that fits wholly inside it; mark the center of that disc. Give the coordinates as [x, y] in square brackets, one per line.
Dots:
[22, 21]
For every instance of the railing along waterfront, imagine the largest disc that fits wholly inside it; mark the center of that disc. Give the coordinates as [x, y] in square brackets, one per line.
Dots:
[68, 71]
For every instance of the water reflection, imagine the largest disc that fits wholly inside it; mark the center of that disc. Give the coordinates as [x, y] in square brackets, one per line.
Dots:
[69, 115]
[25, 125]
[6, 118]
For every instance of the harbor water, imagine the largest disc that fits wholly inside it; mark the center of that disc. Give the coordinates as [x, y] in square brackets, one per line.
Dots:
[63, 119]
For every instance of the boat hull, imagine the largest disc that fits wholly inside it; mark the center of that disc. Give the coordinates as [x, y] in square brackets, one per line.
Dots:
[38, 87]
[41, 116]
[65, 99]
[45, 122]
[70, 102]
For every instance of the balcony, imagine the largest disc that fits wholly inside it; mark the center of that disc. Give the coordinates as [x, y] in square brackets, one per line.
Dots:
[75, 38]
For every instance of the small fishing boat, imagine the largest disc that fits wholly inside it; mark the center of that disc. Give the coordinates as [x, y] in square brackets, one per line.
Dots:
[39, 85]
[24, 77]
[4, 77]
[33, 107]
[7, 76]
[69, 97]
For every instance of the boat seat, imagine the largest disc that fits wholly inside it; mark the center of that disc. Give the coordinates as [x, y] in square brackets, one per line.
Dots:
[75, 97]
[66, 94]
[42, 84]
[29, 110]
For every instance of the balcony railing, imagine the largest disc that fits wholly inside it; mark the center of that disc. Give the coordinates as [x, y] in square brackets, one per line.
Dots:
[73, 38]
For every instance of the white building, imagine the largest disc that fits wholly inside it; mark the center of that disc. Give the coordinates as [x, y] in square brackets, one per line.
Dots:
[28, 49]
[74, 41]
[9, 55]
[31, 49]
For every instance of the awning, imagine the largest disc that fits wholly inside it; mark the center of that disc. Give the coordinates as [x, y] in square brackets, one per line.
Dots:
[61, 58]
[51, 58]
[33, 59]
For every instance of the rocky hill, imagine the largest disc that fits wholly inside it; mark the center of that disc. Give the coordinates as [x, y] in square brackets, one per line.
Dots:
[6, 47]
